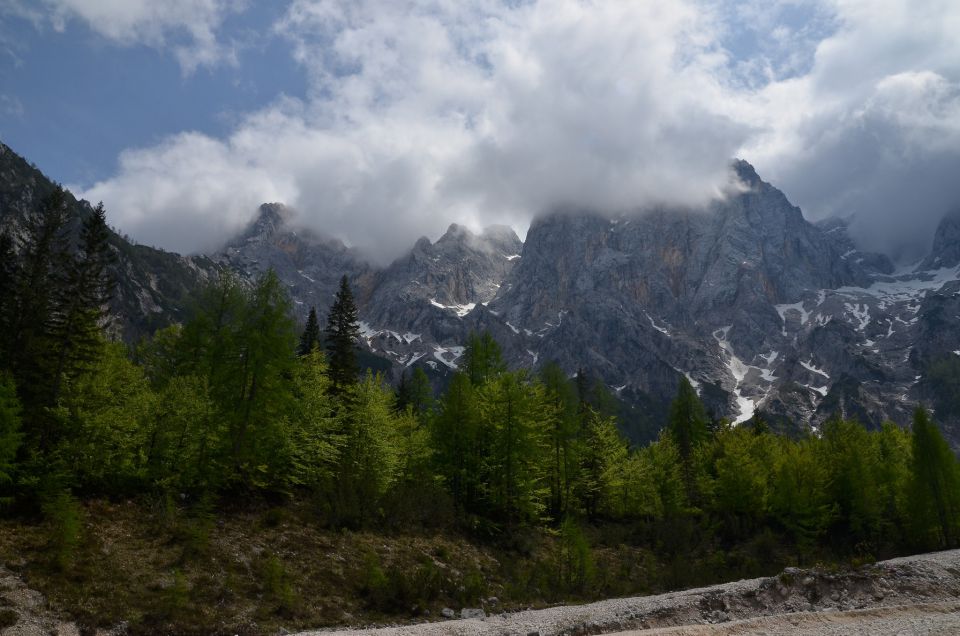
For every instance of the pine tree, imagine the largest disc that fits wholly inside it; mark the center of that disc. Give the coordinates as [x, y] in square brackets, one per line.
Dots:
[311, 334]
[38, 284]
[343, 330]
[78, 319]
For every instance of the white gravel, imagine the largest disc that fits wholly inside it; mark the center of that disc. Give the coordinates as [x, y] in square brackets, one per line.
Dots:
[911, 595]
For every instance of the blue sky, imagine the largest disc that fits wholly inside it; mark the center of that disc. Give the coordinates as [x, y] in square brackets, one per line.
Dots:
[77, 99]
[383, 120]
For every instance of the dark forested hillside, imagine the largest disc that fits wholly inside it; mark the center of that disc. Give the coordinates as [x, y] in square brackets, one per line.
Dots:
[152, 286]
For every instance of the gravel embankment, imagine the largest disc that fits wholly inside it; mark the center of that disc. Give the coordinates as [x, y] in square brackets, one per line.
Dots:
[911, 595]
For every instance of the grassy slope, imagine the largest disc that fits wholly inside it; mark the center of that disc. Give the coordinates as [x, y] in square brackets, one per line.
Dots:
[254, 570]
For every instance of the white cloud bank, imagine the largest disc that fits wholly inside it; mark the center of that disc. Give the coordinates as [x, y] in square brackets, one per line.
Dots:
[188, 28]
[423, 112]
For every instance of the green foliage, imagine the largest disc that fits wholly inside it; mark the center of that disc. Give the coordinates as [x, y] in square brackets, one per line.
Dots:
[80, 303]
[853, 462]
[603, 466]
[275, 581]
[8, 287]
[482, 358]
[314, 436]
[402, 590]
[223, 406]
[415, 393]
[510, 415]
[369, 459]
[38, 284]
[63, 516]
[576, 569]
[799, 498]
[106, 413]
[688, 419]
[934, 486]
[310, 339]
[185, 438]
[343, 330]
[175, 598]
[10, 436]
[564, 429]
[459, 443]
[743, 465]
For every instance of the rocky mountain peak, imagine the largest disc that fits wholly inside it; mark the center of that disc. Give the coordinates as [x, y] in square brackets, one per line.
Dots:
[503, 238]
[309, 263]
[946, 243]
[270, 220]
[423, 244]
[746, 173]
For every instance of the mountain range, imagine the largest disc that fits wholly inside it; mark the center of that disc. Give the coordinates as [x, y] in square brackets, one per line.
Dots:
[761, 310]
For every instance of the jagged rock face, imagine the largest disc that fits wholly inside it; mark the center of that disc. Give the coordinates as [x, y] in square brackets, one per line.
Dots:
[455, 274]
[946, 244]
[762, 310]
[691, 265]
[642, 298]
[309, 263]
[153, 286]
[837, 231]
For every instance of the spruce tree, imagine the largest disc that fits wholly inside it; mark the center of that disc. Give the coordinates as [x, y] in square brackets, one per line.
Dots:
[311, 334]
[80, 310]
[343, 330]
[38, 284]
[8, 278]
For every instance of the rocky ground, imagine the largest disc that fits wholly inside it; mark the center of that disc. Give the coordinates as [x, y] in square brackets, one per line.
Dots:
[23, 612]
[911, 595]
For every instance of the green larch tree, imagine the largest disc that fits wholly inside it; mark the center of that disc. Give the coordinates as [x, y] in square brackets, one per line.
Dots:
[934, 485]
[482, 358]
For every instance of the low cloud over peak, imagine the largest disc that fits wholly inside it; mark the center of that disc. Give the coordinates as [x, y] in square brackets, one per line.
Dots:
[421, 113]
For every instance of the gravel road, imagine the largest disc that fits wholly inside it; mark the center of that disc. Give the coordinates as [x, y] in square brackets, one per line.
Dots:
[911, 595]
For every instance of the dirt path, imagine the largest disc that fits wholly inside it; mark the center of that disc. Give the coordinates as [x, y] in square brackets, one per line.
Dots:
[911, 595]
[924, 618]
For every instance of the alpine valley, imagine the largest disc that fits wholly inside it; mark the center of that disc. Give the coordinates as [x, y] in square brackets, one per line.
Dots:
[763, 311]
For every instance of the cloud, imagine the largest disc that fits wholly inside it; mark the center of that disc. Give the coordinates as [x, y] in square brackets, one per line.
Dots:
[872, 131]
[422, 112]
[187, 27]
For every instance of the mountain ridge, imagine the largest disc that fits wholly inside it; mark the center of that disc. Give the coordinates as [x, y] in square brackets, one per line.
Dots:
[763, 311]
